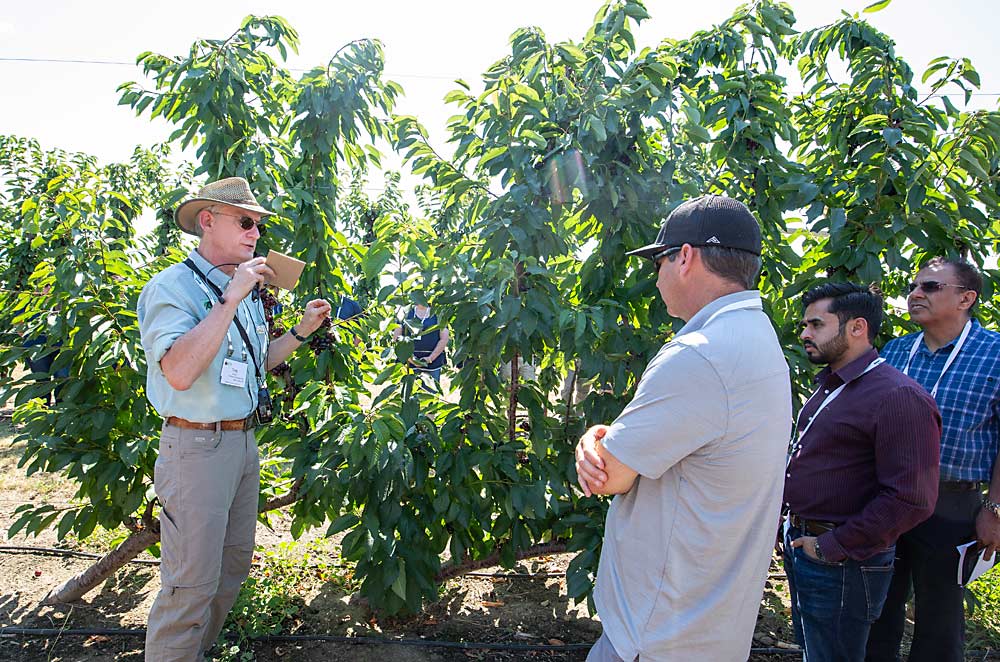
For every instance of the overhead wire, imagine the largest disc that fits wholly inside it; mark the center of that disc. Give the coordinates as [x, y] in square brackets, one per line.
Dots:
[51, 60]
[47, 60]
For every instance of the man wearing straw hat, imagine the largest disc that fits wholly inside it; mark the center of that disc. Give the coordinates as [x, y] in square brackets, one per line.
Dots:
[207, 349]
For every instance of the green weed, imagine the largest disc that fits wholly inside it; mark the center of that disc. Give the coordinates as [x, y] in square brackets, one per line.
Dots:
[274, 595]
[984, 613]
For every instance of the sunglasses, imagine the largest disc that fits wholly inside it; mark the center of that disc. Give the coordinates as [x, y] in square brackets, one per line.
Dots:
[931, 286]
[246, 222]
[662, 255]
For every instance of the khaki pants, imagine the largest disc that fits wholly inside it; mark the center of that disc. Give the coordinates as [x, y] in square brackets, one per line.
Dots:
[208, 484]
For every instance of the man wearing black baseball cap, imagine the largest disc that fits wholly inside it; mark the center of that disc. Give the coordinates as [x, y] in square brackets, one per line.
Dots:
[696, 458]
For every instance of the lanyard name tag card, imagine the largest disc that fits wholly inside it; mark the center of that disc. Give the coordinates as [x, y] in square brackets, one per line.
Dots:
[234, 373]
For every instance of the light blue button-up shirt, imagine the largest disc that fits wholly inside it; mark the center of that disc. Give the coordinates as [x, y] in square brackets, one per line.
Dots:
[172, 303]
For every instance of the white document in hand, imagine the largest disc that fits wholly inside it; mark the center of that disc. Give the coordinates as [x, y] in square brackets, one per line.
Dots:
[971, 564]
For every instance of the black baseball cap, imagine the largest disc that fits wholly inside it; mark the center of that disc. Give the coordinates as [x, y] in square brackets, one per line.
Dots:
[710, 220]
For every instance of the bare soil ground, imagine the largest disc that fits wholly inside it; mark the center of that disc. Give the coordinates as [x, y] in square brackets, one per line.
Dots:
[495, 609]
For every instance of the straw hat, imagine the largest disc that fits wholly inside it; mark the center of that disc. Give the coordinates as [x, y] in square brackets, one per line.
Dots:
[232, 191]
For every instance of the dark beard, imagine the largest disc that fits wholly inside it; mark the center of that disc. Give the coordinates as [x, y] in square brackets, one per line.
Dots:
[830, 351]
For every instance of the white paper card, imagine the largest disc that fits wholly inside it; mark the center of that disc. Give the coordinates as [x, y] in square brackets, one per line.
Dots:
[971, 564]
[234, 373]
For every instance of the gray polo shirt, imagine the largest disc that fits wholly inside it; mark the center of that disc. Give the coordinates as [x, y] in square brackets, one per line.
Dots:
[686, 550]
[172, 303]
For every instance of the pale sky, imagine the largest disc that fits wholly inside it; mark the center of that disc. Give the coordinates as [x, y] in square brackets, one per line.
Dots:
[427, 45]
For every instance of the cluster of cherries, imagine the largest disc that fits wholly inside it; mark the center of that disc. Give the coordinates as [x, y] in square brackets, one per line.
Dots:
[322, 339]
[276, 330]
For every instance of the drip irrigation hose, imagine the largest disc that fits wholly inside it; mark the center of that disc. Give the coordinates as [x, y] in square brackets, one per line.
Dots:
[353, 640]
[55, 551]
[988, 654]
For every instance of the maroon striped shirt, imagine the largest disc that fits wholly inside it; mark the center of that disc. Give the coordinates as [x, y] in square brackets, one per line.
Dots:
[869, 463]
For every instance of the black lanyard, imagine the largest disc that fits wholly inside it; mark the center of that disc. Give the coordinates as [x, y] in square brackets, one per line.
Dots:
[236, 318]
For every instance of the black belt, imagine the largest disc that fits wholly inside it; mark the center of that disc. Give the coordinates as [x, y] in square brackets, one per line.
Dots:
[810, 527]
[961, 486]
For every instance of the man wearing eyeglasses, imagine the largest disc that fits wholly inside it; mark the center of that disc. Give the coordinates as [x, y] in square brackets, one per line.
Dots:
[958, 362]
[696, 458]
[208, 351]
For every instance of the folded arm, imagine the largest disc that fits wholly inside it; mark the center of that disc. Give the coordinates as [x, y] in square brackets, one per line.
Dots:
[597, 470]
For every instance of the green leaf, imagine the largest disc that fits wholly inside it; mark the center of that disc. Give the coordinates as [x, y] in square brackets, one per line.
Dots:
[876, 6]
[399, 586]
[838, 219]
[534, 137]
[636, 11]
[342, 523]
[571, 53]
[892, 136]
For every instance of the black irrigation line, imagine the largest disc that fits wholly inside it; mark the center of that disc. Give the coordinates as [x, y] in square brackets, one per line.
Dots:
[385, 641]
[339, 639]
[55, 551]
[10, 632]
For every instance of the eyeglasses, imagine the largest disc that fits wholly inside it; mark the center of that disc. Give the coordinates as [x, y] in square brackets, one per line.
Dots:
[931, 286]
[659, 257]
[245, 222]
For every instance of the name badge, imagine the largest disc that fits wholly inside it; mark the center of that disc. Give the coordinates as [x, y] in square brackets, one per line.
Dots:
[234, 373]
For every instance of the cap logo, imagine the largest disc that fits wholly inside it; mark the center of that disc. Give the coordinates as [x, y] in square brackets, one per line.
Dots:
[713, 240]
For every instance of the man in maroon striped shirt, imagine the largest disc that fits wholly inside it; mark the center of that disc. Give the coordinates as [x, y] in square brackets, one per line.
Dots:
[863, 470]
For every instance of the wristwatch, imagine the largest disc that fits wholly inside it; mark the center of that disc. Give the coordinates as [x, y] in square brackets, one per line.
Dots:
[295, 334]
[819, 552]
[991, 506]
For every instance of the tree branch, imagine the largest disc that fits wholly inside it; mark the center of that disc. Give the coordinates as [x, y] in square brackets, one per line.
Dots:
[141, 538]
[453, 570]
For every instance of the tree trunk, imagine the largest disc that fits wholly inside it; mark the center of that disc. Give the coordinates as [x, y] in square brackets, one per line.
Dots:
[78, 586]
[515, 369]
[455, 569]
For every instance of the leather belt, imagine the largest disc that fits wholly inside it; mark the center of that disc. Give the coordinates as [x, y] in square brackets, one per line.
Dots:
[960, 486]
[239, 424]
[810, 527]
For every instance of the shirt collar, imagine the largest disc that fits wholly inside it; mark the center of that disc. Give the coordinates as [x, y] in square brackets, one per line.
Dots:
[699, 319]
[214, 275]
[856, 368]
[951, 343]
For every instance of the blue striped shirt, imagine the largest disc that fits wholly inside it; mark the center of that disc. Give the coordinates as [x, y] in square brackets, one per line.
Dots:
[968, 398]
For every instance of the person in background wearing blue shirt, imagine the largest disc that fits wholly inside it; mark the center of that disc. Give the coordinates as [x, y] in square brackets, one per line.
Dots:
[429, 346]
[958, 362]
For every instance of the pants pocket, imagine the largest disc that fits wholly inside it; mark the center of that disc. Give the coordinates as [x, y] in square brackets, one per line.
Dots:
[200, 443]
[819, 586]
[876, 580]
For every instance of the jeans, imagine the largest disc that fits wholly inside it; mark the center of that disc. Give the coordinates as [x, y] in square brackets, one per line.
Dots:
[435, 373]
[835, 603]
[927, 560]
